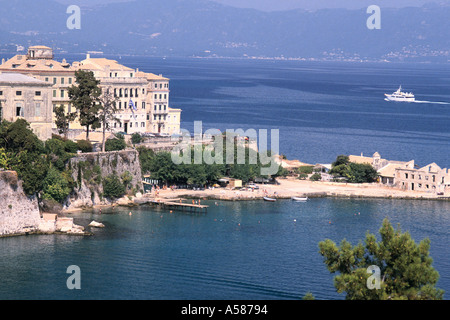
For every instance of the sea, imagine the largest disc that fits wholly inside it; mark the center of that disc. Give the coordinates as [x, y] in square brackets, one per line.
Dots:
[256, 250]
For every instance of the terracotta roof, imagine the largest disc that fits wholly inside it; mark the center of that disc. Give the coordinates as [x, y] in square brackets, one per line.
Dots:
[389, 170]
[102, 63]
[40, 47]
[20, 63]
[12, 77]
[150, 76]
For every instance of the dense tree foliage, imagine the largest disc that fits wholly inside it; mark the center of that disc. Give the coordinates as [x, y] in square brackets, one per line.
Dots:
[113, 187]
[41, 166]
[244, 166]
[63, 119]
[406, 270]
[85, 97]
[353, 172]
[115, 144]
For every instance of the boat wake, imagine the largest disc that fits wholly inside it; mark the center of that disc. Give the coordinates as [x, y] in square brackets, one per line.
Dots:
[432, 102]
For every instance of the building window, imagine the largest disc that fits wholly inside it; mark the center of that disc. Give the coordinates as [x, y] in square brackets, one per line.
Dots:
[62, 80]
[143, 105]
[70, 80]
[136, 93]
[1, 93]
[19, 110]
[37, 110]
[142, 124]
[62, 93]
[37, 93]
[54, 80]
[54, 93]
[126, 93]
[120, 104]
[406, 176]
[137, 125]
[18, 93]
[46, 79]
[154, 117]
[131, 124]
[156, 96]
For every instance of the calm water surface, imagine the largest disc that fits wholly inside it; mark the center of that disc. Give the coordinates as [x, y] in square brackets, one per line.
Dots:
[238, 250]
[256, 250]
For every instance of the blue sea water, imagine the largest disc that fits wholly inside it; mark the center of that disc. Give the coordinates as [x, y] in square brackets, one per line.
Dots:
[239, 250]
[321, 109]
[256, 250]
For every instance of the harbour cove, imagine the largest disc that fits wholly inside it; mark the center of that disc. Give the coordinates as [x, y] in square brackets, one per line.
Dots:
[250, 250]
[253, 249]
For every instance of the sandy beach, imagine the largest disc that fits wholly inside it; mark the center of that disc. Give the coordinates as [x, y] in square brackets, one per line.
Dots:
[291, 187]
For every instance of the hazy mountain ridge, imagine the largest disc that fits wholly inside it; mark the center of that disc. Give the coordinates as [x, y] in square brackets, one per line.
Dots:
[200, 27]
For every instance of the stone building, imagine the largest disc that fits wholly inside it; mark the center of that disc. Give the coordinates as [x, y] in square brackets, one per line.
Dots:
[39, 63]
[142, 98]
[146, 92]
[430, 178]
[24, 97]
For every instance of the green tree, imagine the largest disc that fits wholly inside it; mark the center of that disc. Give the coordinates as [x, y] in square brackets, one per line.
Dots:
[55, 186]
[112, 187]
[108, 111]
[17, 136]
[146, 158]
[25, 154]
[136, 138]
[85, 146]
[4, 159]
[85, 98]
[316, 177]
[115, 144]
[353, 172]
[63, 119]
[341, 160]
[406, 270]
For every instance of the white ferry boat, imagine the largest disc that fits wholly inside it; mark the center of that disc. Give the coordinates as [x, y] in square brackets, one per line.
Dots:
[400, 96]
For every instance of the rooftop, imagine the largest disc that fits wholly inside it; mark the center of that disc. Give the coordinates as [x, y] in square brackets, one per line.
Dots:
[10, 77]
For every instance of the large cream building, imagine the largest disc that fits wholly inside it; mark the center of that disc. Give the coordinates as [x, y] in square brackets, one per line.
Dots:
[24, 97]
[148, 92]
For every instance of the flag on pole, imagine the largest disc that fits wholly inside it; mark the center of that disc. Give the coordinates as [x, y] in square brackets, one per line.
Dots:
[133, 108]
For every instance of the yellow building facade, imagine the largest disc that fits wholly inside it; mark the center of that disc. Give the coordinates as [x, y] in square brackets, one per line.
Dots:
[142, 98]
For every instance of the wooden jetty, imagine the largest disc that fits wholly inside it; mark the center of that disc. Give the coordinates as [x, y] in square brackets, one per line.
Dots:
[179, 205]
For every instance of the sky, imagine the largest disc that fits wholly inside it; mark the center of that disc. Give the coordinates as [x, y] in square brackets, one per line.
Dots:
[275, 5]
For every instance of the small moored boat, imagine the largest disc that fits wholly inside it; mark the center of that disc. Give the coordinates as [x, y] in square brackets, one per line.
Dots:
[270, 199]
[300, 198]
